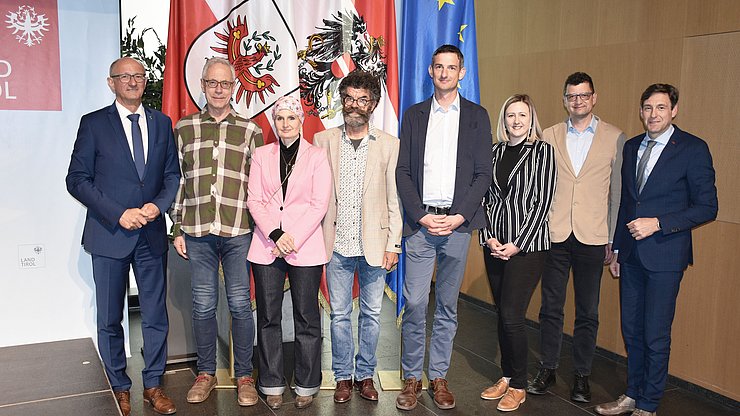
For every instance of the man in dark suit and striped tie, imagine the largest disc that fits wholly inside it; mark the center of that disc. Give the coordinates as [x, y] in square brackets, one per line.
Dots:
[667, 190]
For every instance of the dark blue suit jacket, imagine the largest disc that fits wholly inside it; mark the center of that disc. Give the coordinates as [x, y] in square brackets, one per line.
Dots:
[102, 176]
[680, 192]
[474, 168]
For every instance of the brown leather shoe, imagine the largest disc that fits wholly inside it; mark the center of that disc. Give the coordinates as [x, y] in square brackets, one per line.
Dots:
[496, 391]
[124, 401]
[343, 391]
[302, 402]
[443, 398]
[367, 389]
[624, 404]
[408, 398]
[246, 394]
[202, 388]
[160, 402]
[512, 400]
[275, 401]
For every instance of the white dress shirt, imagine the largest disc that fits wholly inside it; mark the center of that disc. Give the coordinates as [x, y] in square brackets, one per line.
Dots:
[579, 143]
[123, 112]
[440, 154]
[661, 142]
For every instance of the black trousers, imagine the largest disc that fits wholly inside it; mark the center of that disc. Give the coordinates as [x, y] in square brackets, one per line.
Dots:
[513, 282]
[269, 282]
[587, 262]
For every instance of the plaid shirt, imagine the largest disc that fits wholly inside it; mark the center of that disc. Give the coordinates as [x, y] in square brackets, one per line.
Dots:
[214, 158]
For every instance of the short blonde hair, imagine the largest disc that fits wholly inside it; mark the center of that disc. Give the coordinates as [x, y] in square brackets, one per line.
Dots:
[534, 133]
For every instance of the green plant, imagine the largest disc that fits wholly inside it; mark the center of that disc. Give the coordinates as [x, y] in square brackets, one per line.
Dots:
[132, 45]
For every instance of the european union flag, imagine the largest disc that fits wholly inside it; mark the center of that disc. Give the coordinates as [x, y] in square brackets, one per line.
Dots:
[427, 25]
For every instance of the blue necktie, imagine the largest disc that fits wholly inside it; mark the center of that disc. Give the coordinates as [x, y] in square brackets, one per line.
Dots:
[138, 144]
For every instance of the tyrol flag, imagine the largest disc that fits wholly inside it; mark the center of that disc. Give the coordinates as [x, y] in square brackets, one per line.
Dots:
[426, 25]
[283, 47]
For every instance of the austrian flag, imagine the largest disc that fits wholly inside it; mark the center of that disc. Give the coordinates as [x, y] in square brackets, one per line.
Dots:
[301, 48]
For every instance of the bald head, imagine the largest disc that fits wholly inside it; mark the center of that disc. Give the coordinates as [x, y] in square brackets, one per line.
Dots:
[127, 79]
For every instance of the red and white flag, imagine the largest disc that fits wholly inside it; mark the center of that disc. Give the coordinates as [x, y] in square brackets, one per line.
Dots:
[29, 58]
[283, 47]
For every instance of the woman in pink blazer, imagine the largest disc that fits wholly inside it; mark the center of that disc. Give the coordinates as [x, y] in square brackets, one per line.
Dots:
[289, 188]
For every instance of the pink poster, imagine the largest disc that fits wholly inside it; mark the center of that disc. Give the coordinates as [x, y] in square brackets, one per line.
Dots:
[29, 55]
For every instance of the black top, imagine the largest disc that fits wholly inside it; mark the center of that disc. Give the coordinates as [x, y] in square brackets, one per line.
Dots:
[287, 161]
[506, 164]
[288, 156]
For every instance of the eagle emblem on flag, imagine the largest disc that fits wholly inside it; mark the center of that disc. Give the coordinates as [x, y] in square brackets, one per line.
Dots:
[341, 45]
[251, 55]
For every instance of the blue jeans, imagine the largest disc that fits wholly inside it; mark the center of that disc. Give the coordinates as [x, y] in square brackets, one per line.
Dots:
[205, 254]
[340, 277]
[450, 253]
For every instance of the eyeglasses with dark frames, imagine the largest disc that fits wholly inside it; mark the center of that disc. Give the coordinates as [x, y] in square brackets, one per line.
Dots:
[583, 96]
[125, 78]
[212, 83]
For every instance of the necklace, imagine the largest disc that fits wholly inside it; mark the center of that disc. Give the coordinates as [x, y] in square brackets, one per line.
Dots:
[289, 164]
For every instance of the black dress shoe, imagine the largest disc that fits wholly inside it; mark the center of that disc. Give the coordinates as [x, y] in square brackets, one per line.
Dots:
[542, 381]
[581, 390]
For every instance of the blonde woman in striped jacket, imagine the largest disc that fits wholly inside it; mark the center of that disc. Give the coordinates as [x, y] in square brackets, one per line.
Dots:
[516, 238]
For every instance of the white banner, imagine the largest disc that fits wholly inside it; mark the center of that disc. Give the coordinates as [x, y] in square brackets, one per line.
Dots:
[46, 286]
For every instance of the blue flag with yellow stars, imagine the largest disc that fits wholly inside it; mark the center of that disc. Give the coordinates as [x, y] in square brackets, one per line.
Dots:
[426, 25]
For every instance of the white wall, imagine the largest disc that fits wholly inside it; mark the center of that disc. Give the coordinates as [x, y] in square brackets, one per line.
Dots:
[54, 302]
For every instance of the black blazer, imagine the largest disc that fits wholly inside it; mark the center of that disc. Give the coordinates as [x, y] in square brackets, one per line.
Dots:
[680, 192]
[519, 215]
[473, 175]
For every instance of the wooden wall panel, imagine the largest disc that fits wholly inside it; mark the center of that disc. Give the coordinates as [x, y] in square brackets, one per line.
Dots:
[706, 330]
[626, 46]
[712, 16]
[708, 105]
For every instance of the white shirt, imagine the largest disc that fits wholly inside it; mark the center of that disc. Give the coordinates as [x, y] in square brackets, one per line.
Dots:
[440, 154]
[123, 112]
[661, 142]
[579, 143]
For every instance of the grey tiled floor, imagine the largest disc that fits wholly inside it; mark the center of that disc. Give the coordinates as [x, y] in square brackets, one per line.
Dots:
[475, 364]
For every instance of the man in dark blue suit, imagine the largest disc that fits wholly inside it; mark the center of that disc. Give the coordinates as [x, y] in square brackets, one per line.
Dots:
[667, 190]
[444, 169]
[125, 170]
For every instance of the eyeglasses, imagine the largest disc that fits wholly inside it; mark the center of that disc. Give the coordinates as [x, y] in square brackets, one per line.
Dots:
[583, 96]
[362, 101]
[212, 83]
[125, 78]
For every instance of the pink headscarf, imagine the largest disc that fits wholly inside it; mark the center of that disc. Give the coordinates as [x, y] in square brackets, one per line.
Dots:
[288, 103]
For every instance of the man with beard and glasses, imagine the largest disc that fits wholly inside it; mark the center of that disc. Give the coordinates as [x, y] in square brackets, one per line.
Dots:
[362, 230]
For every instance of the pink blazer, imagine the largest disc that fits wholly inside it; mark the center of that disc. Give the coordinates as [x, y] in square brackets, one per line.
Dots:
[299, 214]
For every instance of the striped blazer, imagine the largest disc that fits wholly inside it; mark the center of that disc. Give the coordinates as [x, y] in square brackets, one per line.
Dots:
[520, 215]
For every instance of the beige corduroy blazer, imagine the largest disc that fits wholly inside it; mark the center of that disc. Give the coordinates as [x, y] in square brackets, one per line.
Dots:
[587, 204]
[381, 207]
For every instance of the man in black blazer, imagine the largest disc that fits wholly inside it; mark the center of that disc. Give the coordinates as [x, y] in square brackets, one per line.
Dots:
[667, 190]
[444, 169]
[124, 170]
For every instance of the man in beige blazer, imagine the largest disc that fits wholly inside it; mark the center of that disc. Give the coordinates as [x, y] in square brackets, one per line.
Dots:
[588, 151]
[362, 230]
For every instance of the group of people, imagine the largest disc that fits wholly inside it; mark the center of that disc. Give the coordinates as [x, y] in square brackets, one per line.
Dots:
[575, 196]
